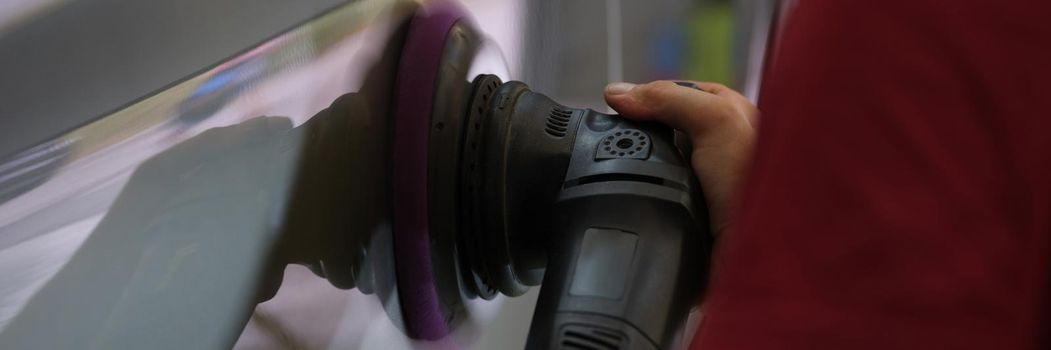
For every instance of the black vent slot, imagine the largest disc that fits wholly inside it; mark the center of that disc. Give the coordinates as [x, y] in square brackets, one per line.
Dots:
[609, 177]
[558, 122]
[581, 337]
[618, 177]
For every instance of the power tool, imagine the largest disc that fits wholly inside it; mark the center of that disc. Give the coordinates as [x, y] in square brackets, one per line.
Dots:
[496, 188]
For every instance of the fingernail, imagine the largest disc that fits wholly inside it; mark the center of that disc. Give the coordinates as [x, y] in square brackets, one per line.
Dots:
[619, 88]
[687, 84]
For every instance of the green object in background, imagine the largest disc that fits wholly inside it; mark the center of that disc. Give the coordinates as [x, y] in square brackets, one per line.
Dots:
[709, 46]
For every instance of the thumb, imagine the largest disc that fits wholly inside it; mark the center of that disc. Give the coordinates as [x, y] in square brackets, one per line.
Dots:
[688, 109]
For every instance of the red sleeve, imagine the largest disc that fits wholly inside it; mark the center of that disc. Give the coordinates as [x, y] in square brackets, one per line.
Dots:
[901, 193]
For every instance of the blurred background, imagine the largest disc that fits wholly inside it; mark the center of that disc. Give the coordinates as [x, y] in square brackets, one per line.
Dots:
[89, 90]
[68, 62]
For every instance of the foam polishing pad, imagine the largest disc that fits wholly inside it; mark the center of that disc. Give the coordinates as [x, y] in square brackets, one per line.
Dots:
[415, 90]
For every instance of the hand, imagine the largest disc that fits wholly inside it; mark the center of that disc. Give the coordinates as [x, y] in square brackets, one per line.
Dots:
[719, 122]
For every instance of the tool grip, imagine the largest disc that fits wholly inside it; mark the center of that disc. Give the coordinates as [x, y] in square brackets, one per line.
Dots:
[624, 269]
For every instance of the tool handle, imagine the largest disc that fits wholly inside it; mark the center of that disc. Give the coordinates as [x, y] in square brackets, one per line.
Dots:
[623, 269]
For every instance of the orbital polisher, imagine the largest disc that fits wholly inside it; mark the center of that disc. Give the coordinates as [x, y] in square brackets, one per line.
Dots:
[434, 184]
[496, 188]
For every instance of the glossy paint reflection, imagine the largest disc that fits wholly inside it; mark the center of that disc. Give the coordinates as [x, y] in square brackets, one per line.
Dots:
[161, 212]
[173, 263]
[164, 222]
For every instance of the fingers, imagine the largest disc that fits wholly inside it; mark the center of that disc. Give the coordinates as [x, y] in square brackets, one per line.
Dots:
[693, 110]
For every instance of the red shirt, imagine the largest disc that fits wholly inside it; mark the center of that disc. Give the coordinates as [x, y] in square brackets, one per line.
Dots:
[901, 194]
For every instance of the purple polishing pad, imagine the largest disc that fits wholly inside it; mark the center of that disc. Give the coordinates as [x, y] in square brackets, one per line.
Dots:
[413, 101]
